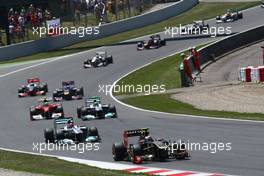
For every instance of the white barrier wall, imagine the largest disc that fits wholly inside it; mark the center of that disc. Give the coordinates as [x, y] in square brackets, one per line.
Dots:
[51, 43]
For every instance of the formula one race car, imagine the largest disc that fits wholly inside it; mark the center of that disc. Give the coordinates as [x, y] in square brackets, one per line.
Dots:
[68, 92]
[229, 16]
[46, 110]
[147, 148]
[70, 133]
[34, 87]
[154, 42]
[100, 59]
[93, 109]
[197, 27]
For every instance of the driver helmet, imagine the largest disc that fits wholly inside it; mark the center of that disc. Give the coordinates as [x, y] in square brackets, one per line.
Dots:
[70, 124]
[95, 103]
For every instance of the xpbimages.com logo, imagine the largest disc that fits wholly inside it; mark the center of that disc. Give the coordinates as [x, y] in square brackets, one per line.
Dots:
[145, 89]
[80, 31]
[41, 147]
[211, 147]
[198, 30]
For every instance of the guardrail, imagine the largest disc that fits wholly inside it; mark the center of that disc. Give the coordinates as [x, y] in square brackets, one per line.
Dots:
[56, 42]
[218, 49]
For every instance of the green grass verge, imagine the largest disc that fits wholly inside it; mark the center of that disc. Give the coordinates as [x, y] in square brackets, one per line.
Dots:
[164, 103]
[162, 72]
[51, 166]
[201, 11]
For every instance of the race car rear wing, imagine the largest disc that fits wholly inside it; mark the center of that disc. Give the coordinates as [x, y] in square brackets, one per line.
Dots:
[33, 80]
[68, 85]
[89, 100]
[133, 133]
[59, 121]
[136, 132]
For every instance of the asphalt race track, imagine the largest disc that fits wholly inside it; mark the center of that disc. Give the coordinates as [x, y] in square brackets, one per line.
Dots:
[17, 132]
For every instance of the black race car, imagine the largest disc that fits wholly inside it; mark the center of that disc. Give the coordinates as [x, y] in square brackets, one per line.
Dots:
[33, 88]
[229, 16]
[100, 59]
[155, 41]
[68, 92]
[70, 133]
[197, 27]
[147, 148]
[94, 109]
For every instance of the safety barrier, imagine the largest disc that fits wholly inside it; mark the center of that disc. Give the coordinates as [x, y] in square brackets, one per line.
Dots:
[218, 49]
[56, 42]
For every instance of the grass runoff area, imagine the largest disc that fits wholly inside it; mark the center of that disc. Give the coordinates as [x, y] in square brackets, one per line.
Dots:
[201, 11]
[165, 72]
[51, 166]
[165, 103]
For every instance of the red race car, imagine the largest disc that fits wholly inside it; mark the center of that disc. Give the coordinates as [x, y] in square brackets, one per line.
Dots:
[46, 110]
[33, 88]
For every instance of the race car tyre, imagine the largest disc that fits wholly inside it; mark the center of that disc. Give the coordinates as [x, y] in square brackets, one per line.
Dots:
[112, 109]
[79, 112]
[32, 111]
[135, 150]
[46, 88]
[54, 95]
[163, 42]
[59, 135]
[119, 151]
[60, 110]
[240, 15]
[81, 91]
[93, 131]
[110, 60]
[49, 135]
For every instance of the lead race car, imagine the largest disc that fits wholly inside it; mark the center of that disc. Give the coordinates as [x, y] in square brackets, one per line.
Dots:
[229, 16]
[68, 92]
[154, 42]
[46, 110]
[147, 148]
[70, 133]
[100, 59]
[33, 88]
[94, 109]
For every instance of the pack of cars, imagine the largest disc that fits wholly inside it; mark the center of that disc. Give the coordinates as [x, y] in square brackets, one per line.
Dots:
[147, 148]
[230, 16]
[65, 131]
[94, 109]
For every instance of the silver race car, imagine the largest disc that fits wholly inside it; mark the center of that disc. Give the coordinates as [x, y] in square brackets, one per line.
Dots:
[229, 16]
[99, 60]
[94, 109]
[70, 133]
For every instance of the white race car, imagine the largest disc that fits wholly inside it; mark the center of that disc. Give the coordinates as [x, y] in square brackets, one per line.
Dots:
[100, 59]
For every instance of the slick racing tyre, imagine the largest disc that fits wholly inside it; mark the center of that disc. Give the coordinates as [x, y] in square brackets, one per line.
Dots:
[49, 135]
[119, 151]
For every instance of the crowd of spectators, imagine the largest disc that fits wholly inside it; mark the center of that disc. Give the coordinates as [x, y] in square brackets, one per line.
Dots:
[24, 18]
